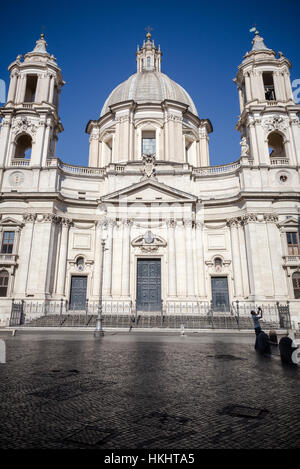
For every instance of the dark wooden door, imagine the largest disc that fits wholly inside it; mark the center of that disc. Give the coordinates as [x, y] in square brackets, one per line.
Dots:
[148, 285]
[78, 292]
[220, 297]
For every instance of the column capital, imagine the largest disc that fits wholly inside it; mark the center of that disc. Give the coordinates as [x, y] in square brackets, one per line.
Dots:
[271, 217]
[66, 222]
[234, 222]
[171, 223]
[29, 217]
[188, 223]
[50, 217]
[249, 218]
[127, 222]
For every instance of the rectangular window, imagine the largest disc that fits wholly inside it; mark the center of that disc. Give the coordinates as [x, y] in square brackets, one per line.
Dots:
[148, 143]
[7, 242]
[269, 86]
[293, 243]
[31, 84]
[3, 283]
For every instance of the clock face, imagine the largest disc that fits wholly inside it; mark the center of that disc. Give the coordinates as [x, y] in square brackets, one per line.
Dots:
[16, 178]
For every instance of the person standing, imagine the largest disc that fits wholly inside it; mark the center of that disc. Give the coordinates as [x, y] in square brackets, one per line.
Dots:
[257, 327]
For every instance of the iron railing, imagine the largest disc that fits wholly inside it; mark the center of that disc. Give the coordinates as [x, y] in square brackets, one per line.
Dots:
[123, 314]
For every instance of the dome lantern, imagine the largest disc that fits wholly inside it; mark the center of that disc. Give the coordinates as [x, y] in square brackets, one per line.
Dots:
[148, 58]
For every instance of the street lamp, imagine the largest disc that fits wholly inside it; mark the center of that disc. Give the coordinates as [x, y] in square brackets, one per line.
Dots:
[99, 331]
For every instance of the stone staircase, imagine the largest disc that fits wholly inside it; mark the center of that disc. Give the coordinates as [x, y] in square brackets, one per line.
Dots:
[148, 321]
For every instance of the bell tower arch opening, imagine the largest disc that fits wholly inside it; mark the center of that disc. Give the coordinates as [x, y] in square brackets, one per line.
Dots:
[23, 147]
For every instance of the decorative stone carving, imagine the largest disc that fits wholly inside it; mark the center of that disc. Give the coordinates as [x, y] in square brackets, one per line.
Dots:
[249, 217]
[148, 242]
[244, 147]
[172, 117]
[234, 222]
[171, 223]
[149, 167]
[271, 217]
[66, 221]
[188, 222]
[50, 217]
[24, 125]
[29, 217]
[275, 123]
[16, 179]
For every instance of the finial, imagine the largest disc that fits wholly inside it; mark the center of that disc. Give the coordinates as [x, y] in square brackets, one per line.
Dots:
[148, 35]
[254, 30]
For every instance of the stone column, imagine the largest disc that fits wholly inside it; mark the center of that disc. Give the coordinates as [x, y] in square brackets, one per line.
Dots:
[12, 88]
[46, 142]
[126, 257]
[253, 143]
[94, 148]
[235, 256]
[288, 86]
[116, 277]
[171, 224]
[51, 85]
[37, 147]
[107, 268]
[190, 278]
[4, 138]
[21, 89]
[204, 148]
[248, 87]
[241, 99]
[280, 287]
[200, 259]
[180, 259]
[244, 265]
[25, 247]
[62, 259]
[99, 226]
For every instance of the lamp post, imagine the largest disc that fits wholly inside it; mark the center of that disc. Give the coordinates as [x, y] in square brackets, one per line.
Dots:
[99, 331]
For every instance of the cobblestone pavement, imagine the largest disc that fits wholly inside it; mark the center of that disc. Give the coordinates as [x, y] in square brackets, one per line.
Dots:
[145, 390]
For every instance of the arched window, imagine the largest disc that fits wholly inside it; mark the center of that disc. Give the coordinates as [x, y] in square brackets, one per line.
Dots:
[148, 63]
[276, 145]
[4, 277]
[296, 284]
[23, 146]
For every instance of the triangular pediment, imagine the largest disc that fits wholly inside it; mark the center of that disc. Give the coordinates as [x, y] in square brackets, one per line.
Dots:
[291, 222]
[8, 221]
[149, 191]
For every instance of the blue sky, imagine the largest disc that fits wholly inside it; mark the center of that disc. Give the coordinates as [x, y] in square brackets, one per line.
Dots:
[202, 43]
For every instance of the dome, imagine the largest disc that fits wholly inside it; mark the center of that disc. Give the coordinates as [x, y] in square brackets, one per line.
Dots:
[149, 86]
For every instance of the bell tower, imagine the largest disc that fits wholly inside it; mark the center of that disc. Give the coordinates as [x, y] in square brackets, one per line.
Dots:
[30, 121]
[268, 121]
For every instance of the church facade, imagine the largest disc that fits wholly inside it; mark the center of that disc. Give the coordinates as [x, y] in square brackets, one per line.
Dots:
[180, 235]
